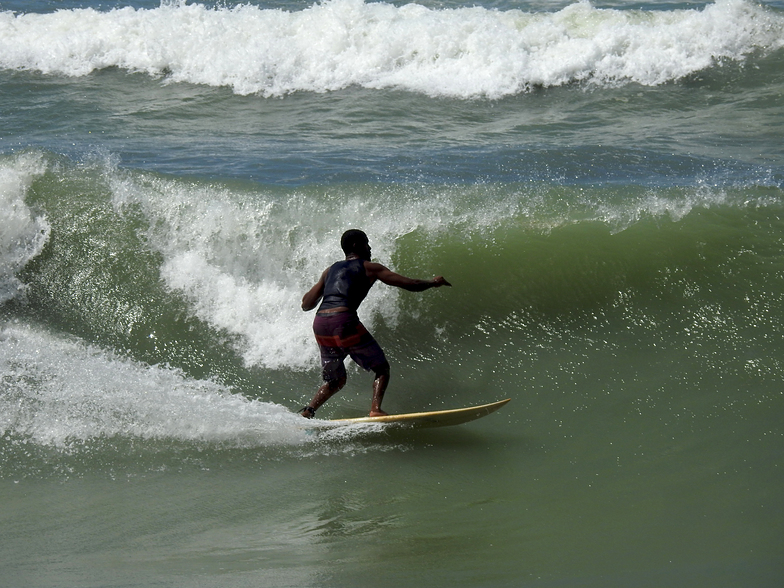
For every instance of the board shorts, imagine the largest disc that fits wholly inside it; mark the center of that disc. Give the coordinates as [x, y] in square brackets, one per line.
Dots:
[340, 335]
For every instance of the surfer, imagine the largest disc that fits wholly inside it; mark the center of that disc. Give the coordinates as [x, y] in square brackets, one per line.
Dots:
[342, 288]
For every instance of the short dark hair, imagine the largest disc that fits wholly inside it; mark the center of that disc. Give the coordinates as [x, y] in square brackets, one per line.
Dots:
[351, 239]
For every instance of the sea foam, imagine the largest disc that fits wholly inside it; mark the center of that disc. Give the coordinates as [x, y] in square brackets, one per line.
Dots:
[58, 391]
[23, 233]
[461, 52]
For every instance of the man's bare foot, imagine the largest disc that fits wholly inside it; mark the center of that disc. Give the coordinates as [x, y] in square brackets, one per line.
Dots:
[308, 412]
[378, 412]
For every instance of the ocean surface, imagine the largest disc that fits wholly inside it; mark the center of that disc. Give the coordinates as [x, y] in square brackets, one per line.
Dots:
[603, 185]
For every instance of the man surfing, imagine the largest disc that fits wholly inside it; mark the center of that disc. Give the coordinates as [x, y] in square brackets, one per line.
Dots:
[341, 289]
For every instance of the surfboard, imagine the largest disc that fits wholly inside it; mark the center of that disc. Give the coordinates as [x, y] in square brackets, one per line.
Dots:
[437, 418]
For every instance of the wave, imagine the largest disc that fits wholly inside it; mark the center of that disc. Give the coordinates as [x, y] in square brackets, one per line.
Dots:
[460, 52]
[182, 271]
[121, 337]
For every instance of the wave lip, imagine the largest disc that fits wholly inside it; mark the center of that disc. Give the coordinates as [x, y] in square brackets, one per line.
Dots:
[461, 53]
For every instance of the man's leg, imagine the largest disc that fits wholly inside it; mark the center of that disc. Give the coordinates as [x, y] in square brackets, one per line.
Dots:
[367, 353]
[334, 373]
[379, 387]
[324, 393]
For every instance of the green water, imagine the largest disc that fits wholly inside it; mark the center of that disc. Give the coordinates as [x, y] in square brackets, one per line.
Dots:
[612, 503]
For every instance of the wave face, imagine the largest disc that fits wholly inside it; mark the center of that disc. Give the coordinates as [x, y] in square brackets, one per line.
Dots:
[450, 52]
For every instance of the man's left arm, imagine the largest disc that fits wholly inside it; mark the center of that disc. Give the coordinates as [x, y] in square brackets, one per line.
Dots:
[384, 274]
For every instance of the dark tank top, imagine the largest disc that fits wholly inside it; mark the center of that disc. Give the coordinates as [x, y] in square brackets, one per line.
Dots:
[346, 284]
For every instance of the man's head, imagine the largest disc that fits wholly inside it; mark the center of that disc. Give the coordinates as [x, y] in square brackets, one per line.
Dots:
[355, 242]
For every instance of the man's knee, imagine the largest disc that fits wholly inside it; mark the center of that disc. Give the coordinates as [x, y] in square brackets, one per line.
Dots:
[382, 370]
[334, 373]
[335, 385]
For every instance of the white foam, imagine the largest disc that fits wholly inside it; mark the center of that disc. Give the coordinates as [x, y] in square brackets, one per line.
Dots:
[57, 391]
[61, 393]
[462, 52]
[23, 234]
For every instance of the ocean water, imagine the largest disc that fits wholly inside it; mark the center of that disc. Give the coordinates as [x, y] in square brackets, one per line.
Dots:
[602, 183]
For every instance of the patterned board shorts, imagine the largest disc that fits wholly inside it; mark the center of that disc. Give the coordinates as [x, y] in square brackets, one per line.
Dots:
[339, 335]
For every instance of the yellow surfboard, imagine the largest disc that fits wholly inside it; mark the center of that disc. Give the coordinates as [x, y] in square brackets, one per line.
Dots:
[438, 418]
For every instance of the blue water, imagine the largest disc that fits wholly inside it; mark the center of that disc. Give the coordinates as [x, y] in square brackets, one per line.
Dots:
[602, 183]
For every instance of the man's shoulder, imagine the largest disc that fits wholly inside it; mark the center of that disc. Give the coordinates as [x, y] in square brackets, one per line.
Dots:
[373, 268]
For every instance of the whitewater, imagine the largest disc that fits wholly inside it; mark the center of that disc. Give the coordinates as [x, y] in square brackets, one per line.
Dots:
[465, 52]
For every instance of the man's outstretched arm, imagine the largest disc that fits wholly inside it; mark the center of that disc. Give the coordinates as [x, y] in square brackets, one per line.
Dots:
[384, 274]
